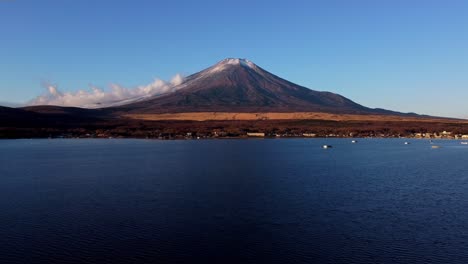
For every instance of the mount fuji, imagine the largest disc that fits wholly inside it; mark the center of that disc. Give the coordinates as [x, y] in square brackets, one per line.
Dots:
[239, 85]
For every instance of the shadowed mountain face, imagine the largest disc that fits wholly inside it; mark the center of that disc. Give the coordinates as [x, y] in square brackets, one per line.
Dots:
[238, 85]
[47, 116]
[9, 115]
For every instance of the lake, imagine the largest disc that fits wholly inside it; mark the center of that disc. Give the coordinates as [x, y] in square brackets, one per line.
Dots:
[233, 201]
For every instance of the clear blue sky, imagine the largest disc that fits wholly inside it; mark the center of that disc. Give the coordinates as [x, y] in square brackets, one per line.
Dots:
[399, 55]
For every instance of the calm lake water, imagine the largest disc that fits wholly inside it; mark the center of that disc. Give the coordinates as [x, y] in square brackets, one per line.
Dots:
[233, 201]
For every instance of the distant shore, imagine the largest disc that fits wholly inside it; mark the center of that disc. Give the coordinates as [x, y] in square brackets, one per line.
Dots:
[239, 129]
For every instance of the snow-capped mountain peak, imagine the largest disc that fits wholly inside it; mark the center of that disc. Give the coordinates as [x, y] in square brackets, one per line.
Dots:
[240, 85]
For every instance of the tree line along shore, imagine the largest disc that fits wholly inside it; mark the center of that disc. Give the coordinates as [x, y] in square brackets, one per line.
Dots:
[172, 129]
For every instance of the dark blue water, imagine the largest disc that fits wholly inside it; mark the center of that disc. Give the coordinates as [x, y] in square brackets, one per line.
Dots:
[233, 201]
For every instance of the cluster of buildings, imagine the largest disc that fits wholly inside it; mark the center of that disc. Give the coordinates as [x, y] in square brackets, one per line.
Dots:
[218, 133]
[436, 135]
[443, 134]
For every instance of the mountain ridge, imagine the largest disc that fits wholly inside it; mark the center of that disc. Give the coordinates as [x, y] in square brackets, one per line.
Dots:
[240, 85]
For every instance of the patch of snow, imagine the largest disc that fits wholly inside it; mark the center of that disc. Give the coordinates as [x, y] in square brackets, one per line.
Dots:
[226, 63]
[243, 62]
[247, 63]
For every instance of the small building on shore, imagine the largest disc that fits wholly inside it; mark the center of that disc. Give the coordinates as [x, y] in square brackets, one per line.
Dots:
[255, 134]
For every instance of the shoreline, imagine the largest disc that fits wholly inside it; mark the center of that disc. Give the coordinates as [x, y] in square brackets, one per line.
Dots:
[236, 129]
[229, 138]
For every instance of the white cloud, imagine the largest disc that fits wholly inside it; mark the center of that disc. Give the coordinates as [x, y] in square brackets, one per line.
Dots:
[96, 97]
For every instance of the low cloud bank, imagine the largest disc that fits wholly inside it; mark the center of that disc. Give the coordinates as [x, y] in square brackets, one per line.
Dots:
[96, 97]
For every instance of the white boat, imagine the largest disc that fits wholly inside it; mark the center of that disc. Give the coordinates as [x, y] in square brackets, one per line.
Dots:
[327, 146]
[407, 143]
[354, 141]
[464, 143]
